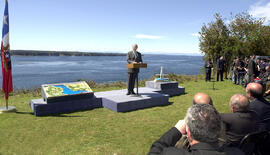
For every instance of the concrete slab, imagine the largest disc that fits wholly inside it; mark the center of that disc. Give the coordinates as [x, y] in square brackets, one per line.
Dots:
[41, 108]
[173, 92]
[118, 101]
[161, 85]
[170, 88]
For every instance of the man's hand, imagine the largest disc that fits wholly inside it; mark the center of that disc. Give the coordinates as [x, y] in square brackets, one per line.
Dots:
[181, 126]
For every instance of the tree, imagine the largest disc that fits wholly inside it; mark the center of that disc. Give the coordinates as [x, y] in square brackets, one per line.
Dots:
[214, 39]
[250, 35]
[243, 36]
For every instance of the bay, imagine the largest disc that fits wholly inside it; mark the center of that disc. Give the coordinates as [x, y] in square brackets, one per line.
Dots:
[32, 71]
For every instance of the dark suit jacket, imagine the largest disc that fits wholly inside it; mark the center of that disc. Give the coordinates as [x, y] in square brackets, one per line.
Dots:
[221, 65]
[165, 145]
[251, 67]
[132, 58]
[238, 125]
[208, 65]
[261, 107]
[264, 77]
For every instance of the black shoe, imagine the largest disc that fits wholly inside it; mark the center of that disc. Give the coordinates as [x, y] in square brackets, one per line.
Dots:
[128, 93]
[133, 93]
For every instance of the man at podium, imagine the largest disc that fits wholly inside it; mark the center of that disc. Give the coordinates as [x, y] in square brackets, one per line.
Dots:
[133, 57]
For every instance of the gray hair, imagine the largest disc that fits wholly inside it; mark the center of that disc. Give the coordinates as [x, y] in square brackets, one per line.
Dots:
[204, 123]
[239, 102]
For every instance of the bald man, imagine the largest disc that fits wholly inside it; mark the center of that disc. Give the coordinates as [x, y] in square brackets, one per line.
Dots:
[133, 57]
[241, 121]
[202, 98]
[254, 91]
[199, 98]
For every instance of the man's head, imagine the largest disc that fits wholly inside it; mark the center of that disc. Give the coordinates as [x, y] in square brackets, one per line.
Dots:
[134, 47]
[221, 58]
[253, 57]
[267, 68]
[239, 103]
[254, 90]
[258, 60]
[203, 123]
[202, 98]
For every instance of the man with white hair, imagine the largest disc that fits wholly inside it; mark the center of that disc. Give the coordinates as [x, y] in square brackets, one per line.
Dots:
[133, 57]
[202, 125]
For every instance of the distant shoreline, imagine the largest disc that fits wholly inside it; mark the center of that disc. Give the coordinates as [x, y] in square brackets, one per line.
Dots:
[60, 53]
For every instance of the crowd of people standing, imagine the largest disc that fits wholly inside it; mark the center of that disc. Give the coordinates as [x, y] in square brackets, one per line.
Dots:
[243, 71]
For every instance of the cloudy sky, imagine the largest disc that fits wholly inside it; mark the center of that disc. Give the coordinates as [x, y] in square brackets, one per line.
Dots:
[159, 26]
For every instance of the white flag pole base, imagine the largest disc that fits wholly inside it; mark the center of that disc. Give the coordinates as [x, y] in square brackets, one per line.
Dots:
[6, 110]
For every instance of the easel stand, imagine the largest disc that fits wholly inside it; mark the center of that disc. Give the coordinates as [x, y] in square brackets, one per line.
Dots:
[137, 83]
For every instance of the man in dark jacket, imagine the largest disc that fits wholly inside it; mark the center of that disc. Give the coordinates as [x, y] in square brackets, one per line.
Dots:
[241, 72]
[254, 91]
[202, 125]
[251, 69]
[241, 121]
[133, 57]
[208, 67]
[220, 68]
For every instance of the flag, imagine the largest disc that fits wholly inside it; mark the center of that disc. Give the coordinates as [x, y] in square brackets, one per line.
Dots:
[7, 85]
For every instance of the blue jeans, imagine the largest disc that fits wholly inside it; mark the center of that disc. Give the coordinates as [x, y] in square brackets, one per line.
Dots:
[240, 78]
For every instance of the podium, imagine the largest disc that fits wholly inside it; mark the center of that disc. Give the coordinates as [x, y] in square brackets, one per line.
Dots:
[137, 65]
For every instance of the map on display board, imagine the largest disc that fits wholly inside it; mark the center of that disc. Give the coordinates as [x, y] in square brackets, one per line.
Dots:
[65, 89]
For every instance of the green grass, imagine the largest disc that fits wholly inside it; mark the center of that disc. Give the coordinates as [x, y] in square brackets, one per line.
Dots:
[100, 131]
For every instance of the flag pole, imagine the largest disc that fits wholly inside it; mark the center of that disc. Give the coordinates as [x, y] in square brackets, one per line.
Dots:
[7, 104]
[7, 109]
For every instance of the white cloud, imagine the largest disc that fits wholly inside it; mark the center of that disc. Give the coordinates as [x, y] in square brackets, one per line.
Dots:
[144, 36]
[195, 34]
[260, 10]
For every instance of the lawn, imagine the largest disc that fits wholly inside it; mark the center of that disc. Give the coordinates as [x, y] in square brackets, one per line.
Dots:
[100, 131]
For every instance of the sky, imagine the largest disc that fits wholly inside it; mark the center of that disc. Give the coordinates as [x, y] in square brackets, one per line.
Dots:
[157, 26]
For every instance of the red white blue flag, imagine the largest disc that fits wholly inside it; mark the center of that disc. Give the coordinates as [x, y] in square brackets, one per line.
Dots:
[7, 85]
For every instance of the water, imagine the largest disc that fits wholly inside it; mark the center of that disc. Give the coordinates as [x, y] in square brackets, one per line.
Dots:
[32, 71]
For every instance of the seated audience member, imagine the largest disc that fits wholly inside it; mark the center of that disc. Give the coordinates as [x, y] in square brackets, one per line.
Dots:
[202, 98]
[265, 78]
[199, 98]
[240, 122]
[202, 125]
[254, 92]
